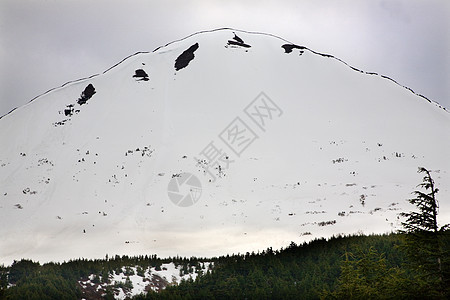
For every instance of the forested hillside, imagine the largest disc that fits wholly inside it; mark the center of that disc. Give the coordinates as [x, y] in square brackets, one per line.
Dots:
[353, 266]
[356, 267]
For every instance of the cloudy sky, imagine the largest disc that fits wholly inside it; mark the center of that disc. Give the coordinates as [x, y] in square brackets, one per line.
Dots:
[45, 43]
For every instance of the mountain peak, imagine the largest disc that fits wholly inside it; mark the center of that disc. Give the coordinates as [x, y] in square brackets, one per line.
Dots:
[224, 141]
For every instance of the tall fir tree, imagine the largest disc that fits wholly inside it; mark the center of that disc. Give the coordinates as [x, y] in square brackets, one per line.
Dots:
[426, 244]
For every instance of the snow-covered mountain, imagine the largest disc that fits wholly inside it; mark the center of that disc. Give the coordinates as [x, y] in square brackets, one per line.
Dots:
[225, 141]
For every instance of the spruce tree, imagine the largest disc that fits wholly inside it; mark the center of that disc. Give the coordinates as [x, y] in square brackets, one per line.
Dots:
[366, 275]
[425, 241]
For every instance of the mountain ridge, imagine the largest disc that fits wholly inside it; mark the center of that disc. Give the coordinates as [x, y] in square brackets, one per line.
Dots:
[237, 30]
[326, 151]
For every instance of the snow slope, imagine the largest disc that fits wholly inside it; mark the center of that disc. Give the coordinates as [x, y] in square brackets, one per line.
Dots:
[139, 282]
[309, 147]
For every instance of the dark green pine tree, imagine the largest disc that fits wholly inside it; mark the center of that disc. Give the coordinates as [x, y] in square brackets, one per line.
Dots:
[3, 281]
[366, 275]
[426, 244]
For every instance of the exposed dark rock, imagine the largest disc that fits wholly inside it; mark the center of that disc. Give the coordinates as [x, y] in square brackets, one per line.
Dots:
[234, 43]
[185, 58]
[68, 111]
[288, 47]
[140, 75]
[237, 41]
[88, 92]
[60, 123]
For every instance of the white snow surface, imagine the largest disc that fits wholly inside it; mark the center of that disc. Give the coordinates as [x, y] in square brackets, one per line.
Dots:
[341, 147]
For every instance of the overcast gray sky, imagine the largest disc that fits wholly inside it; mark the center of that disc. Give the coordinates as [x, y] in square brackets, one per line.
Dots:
[45, 43]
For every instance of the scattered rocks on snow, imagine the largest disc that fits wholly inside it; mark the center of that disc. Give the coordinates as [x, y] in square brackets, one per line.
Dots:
[315, 212]
[339, 160]
[362, 199]
[69, 110]
[146, 151]
[326, 223]
[375, 210]
[45, 161]
[28, 191]
[60, 123]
